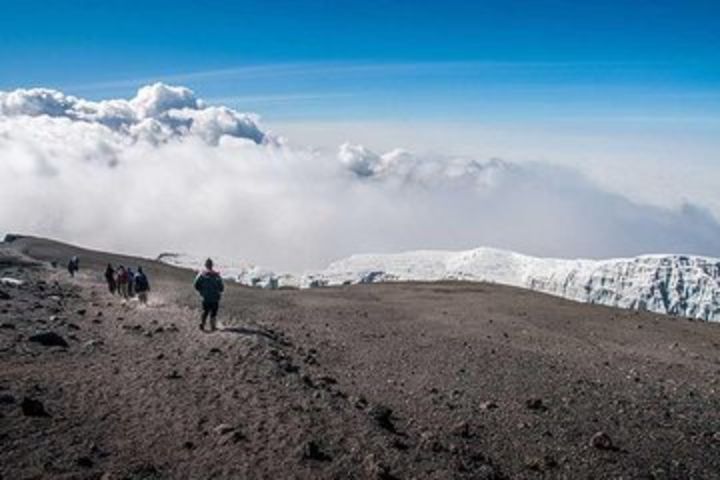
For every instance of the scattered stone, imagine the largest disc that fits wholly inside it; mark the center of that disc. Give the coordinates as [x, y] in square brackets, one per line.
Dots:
[361, 403]
[84, 462]
[540, 464]
[214, 350]
[489, 405]
[399, 444]
[382, 416]
[601, 441]
[229, 434]
[81, 311]
[223, 429]
[49, 339]
[93, 343]
[7, 399]
[189, 445]
[307, 381]
[4, 295]
[535, 404]
[11, 282]
[73, 326]
[430, 441]
[289, 367]
[486, 472]
[462, 429]
[234, 437]
[312, 451]
[144, 472]
[173, 376]
[33, 408]
[375, 469]
[159, 356]
[327, 380]
[7, 326]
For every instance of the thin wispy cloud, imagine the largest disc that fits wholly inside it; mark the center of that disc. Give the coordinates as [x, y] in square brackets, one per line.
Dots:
[279, 98]
[300, 69]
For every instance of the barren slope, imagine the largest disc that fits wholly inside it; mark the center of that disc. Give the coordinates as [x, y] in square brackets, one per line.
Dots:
[435, 380]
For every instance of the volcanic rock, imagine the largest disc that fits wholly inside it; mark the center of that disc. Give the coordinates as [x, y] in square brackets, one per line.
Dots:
[49, 339]
[33, 408]
[601, 441]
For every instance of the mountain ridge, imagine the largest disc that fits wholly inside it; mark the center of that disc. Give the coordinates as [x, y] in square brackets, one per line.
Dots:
[675, 284]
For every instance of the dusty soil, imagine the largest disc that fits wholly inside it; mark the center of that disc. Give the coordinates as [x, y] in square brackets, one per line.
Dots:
[435, 380]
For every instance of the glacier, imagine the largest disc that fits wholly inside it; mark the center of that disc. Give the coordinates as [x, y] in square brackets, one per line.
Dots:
[683, 285]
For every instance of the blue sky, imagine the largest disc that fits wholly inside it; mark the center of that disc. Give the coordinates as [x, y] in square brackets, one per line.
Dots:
[624, 93]
[565, 61]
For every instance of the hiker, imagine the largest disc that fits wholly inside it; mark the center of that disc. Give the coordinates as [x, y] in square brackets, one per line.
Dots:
[73, 265]
[131, 282]
[210, 286]
[110, 278]
[142, 286]
[122, 282]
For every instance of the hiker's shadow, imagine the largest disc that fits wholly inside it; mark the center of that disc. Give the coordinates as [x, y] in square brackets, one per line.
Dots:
[249, 331]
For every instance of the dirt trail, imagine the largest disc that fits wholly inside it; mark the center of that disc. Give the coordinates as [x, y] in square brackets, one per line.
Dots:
[381, 381]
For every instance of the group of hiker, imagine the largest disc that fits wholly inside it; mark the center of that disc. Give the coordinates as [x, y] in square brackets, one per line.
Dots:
[128, 283]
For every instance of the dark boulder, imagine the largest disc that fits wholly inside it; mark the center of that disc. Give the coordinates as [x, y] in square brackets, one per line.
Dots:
[382, 416]
[601, 441]
[85, 462]
[535, 404]
[33, 408]
[312, 451]
[49, 339]
[6, 399]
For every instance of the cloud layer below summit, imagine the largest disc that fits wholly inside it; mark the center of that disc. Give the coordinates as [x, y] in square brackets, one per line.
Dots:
[165, 171]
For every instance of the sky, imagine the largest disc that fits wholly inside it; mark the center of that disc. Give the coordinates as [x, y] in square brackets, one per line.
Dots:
[363, 59]
[624, 94]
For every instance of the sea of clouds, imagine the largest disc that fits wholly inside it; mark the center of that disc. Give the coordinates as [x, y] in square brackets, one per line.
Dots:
[164, 171]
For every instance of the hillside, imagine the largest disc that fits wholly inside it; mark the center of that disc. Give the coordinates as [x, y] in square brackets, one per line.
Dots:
[389, 380]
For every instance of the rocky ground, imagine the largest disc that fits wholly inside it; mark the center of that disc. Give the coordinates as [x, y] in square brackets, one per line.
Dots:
[394, 381]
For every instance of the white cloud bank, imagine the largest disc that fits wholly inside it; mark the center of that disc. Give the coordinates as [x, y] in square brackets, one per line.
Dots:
[164, 171]
[157, 114]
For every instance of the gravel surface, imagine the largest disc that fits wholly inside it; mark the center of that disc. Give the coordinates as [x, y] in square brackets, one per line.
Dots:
[382, 381]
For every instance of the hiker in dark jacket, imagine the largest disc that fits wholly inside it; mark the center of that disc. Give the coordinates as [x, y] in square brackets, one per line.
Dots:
[110, 278]
[210, 286]
[73, 266]
[142, 285]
